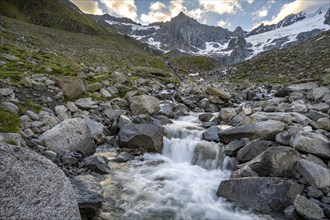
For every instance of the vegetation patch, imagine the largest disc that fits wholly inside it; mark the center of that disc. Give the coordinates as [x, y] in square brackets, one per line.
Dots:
[28, 106]
[9, 122]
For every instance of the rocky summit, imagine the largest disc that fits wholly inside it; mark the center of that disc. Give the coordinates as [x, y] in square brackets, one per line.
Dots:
[97, 125]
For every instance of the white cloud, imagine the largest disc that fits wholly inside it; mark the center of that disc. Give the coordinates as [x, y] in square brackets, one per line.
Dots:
[223, 24]
[160, 13]
[296, 7]
[126, 8]
[250, 1]
[157, 6]
[260, 13]
[88, 6]
[220, 6]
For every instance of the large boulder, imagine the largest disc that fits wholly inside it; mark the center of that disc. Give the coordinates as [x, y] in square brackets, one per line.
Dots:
[141, 136]
[276, 161]
[264, 130]
[72, 87]
[88, 192]
[33, 187]
[70, 135]
[144, 104]
[315, 174]
[307, 208]
[310, 142]
[264, 194]
[252, 149]
[218, 93]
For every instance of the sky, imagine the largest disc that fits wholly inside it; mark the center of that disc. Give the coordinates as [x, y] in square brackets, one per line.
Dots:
[224, 13]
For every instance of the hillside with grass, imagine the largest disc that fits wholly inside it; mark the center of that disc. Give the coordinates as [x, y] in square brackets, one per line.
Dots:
[51, 13]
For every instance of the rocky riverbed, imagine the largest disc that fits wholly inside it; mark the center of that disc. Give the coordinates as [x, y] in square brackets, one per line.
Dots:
[139, 149]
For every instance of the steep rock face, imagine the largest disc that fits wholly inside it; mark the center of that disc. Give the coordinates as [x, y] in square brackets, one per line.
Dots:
[32, 187]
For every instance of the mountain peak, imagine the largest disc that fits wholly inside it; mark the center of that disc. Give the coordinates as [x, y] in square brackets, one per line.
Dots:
[181, 16]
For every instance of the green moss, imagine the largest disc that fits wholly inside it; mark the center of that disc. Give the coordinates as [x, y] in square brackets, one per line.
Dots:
[11, 142]
[28, 106]
[9, 122]
[188, 64]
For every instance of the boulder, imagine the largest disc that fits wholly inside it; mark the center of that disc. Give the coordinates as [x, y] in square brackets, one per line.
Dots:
[97, 164]
[232, 148]
[324, 123]
[315, 174]
[302, 87]
[265, 130]
[70, 135]
[226, 114]
[218, 93]
[211, 134]
[88, 192]
[141, 136]
[251, 150]
[72, 87]
[310, 142]
[307, 208]
[144, 104]
[86, 103]
[33, 187]
[276, 161]
[264, 194]
[319, 93]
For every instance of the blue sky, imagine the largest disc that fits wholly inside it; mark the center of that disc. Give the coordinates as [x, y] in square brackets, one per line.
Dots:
[225, 13]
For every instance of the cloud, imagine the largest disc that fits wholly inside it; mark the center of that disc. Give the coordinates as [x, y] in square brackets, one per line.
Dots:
[159, 12]
[124, 8]
[220, 6]
[250, 1]
[260, 13]
[223, 24]
[88, 6]
[296, 7]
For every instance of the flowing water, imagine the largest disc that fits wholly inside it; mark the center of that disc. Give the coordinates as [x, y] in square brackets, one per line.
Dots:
[180, 183]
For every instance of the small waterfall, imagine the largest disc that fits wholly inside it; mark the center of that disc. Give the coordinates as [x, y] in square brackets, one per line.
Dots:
[180, 183]
[182, 143]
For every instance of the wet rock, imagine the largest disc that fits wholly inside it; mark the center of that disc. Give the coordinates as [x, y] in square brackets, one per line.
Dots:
[70, 135]
[97, 164]
[72, 87]
[32, 187]
[310, 142]
[141, 136]
[315, 174]
[205, 117]
[307, 209]
[211, 134]
[88, 193]
[144, 104]
[264, 194]
[208, 155]
[251, 150]
[232, 148]
[166, 108]
[123, 157]
[265, 130]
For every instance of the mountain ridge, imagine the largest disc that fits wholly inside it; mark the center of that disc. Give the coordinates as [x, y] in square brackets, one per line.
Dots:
[228, 47]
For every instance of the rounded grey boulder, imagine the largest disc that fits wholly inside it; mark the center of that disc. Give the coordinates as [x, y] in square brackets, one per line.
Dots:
[32, 187]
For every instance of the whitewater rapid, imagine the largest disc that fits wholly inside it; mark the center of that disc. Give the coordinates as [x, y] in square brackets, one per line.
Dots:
[180, 183]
